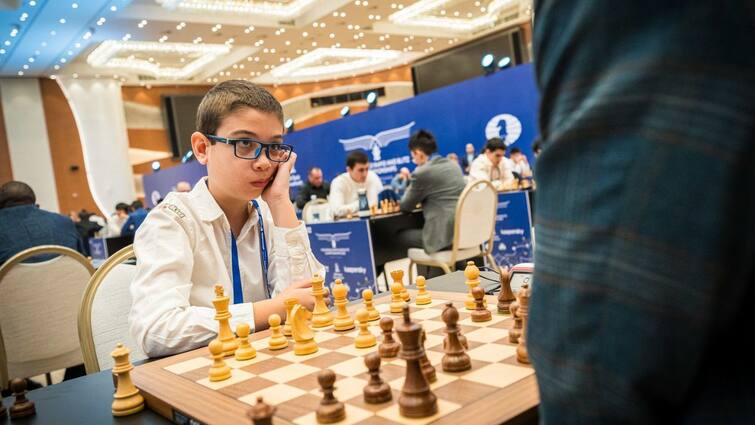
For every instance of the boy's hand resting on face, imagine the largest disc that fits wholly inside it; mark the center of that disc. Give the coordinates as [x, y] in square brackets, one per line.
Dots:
[278, 189]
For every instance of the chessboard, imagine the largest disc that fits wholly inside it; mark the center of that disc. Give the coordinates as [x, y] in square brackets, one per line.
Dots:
[495, 390]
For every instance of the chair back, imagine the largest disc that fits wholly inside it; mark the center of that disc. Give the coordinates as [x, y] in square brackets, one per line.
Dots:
[475, 216]
[39, 303]
[103, 317]
[317, 210]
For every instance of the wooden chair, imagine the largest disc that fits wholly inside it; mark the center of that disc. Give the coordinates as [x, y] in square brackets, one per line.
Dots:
[317, 206]
[38, 307]
[103, 316]
[474, 229]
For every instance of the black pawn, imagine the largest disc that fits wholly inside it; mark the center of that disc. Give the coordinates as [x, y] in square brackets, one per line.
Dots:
[331, 410]
[455, 359]
[261, 413]
[22, 406]
[376, 391]
[389, 348]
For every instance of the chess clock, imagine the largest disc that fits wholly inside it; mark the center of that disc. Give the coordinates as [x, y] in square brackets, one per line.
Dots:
[520, 274]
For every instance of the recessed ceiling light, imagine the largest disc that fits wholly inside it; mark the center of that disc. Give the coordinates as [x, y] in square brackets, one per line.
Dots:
[25, 66]
[20, 72]
[31, 60]
[7, 43]
[62, 20]
[32, 3]
[57, 67]
[23, 17]
[113, 8]
[75, 5]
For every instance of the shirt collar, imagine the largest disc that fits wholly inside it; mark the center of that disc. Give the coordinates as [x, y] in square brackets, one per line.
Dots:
[208, 207]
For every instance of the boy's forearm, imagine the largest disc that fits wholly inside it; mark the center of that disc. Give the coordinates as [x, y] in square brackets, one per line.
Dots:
[263, 309]
[283, 214]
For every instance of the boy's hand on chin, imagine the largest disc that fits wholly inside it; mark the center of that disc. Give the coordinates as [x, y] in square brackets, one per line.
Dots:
[278, 189]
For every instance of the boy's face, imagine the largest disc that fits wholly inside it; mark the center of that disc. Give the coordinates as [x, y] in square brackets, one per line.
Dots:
[238, 178]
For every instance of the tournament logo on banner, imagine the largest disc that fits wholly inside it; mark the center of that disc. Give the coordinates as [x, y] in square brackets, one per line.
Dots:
[503, 104]
[512, 243]
[345, 249]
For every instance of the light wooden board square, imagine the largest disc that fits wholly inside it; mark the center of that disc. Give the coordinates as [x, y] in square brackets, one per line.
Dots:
[383, 308]
[496, 318]
[293, 358]
[237, 376]
[435, 357]
[392, 413]
[426, 314]
[359, 352]
[351, 367]
[492, 352]
[353, 415]
[274, 395]
[442, 379]
[498, 374]
[189, 365]
[325, 336]
[236, 364]
[433, 303]
[433, 340]
[289, 373]
[346, 388]
[432, 325]
[487, 335]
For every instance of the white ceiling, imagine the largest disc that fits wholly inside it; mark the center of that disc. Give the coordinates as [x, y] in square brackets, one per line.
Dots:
[283, 41]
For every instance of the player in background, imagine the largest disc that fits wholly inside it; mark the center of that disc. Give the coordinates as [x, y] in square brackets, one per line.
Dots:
[236, 227]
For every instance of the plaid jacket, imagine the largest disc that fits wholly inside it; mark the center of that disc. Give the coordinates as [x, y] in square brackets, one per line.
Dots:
[641, 307]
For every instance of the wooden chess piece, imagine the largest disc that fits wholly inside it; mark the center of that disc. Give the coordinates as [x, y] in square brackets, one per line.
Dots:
[516, 330]
[455, 358]
[367, 296]
[398, 276]
[261, 413]
[427, 368]
[245, 350]
[304, 338]
[127, 399]
[343, 320]
[480, 313]
[365, 338]
[290, 303]
[416, 399]
[389, 348]
[330, 410]
[222, 315]
[277, 340]
[397, 302]
[219, 371]
[321, 315]
[523, 312]
[376, 391]
[423, 297]
[506, 296]
[472, 275]
[22, 406]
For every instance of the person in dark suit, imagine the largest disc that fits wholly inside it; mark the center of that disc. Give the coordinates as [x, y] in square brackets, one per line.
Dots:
[468, 157]
[436, 184]
[315, 186]
[23, 225]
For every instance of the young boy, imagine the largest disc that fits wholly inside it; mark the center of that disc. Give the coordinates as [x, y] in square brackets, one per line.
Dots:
[236, 227]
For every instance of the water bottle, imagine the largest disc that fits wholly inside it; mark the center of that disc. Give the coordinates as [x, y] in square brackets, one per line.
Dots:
[364, 206]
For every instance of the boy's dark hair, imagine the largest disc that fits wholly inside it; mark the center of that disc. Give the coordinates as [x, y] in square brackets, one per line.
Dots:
[15, 193]
[136, 205]
[121, 206]
[515, 150]
[229, 96]
[494, 144]
[356, 157]
[423, 141]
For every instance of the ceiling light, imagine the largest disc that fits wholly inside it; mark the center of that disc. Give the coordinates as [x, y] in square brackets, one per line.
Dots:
[101, 21]
[62, 20]
[20, 72]
[419, 15]
[288, 10]
[14, 30]
[25, 66]
[345, 111]
[7, 43]
[142, 23]
[57, 67]
[23, 17]
[87, 35]
[113, 8]
[2, 51]
[75, 5]
[32, 3]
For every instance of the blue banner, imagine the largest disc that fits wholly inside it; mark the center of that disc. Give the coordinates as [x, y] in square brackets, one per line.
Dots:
[512, 243]
[158, 185]
[345, 249]
[503, 104]
[98, 248]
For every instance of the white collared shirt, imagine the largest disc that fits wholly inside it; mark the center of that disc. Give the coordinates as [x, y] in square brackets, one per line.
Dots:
[483, 169]
[344, 192]
[183, 249]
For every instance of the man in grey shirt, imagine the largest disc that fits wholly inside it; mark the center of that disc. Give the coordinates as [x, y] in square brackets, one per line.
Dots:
[436, 184]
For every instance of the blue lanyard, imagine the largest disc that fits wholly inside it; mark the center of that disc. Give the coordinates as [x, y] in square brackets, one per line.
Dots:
[238, 295]
[263, 249]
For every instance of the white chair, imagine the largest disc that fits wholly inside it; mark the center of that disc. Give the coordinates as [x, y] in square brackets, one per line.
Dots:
[474, 228]
[103, 317]
[38, 307]
[317, 210]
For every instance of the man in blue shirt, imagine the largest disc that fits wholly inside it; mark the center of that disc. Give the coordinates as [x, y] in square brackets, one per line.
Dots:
[23, 225]
[135, 219]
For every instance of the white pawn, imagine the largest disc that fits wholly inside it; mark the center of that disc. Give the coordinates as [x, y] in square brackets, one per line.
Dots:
[277, 340]
[365, 338]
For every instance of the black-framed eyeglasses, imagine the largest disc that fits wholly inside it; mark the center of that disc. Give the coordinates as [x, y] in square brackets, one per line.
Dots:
[252, 149]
